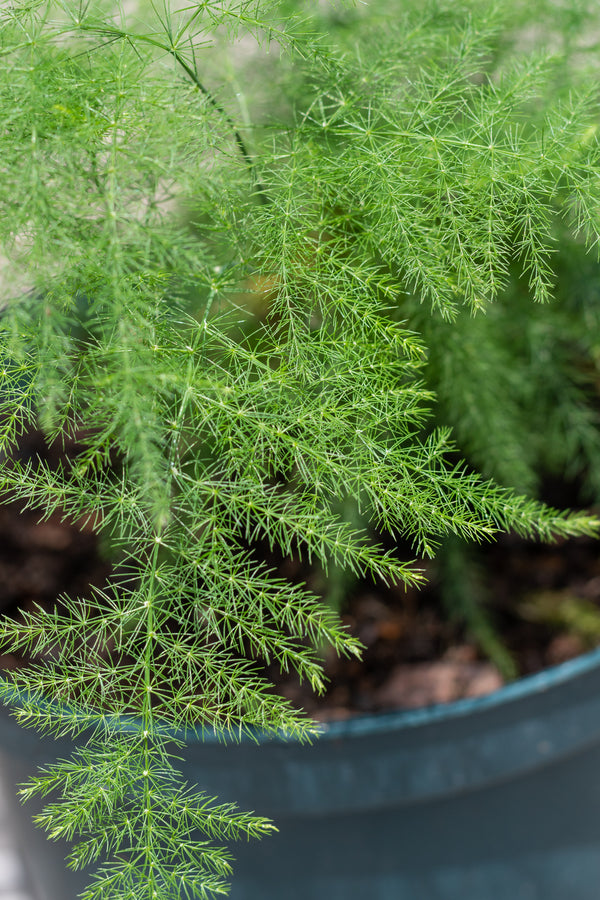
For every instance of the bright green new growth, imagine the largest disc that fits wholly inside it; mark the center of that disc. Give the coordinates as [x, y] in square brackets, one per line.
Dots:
[218, 313]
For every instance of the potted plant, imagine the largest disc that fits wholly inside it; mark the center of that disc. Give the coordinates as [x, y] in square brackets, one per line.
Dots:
[226, 314]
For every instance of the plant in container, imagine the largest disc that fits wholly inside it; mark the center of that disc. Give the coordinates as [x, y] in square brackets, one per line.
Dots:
[219, 278]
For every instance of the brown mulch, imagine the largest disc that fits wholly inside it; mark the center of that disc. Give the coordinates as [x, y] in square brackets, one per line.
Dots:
[415, 657]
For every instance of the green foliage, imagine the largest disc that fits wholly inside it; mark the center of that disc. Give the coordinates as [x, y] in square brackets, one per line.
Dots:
[234, 303]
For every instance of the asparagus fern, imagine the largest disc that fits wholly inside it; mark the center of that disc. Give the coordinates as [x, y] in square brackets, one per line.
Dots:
[231, 304]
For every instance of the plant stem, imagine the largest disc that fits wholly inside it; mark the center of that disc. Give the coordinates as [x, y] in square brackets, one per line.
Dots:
[192, 75]
[148, 718]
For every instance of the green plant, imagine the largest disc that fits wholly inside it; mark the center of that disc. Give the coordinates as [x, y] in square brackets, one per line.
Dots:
[218, 311]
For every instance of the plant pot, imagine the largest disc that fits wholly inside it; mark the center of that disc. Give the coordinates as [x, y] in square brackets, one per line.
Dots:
[496, 798]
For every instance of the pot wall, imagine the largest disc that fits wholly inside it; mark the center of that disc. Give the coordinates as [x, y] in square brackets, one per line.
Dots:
[492, 799]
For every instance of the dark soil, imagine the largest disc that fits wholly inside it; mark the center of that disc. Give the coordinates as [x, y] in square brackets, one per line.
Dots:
[543, 601]
[544, 605]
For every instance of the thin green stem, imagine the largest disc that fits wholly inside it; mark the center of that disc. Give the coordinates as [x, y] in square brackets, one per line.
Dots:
[148, 716]
[117, 33]
[193, 76]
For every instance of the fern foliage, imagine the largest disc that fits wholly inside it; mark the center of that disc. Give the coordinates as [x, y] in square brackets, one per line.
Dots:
[236, 309]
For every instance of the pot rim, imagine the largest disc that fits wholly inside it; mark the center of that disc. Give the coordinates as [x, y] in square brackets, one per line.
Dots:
[527, 686]
[388, 721]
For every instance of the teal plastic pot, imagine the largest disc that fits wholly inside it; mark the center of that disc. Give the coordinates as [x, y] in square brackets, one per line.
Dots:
[496, 798]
